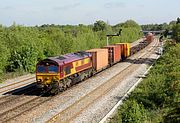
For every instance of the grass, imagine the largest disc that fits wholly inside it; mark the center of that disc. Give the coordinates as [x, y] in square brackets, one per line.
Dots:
[12, 75]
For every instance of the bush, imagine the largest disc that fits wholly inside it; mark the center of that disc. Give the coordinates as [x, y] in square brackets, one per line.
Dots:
[4, 55]
[130, 112]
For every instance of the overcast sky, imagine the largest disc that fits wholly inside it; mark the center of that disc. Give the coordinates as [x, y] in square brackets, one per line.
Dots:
[38, 12]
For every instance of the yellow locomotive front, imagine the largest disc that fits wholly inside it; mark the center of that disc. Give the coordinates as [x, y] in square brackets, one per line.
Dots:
[47, 72]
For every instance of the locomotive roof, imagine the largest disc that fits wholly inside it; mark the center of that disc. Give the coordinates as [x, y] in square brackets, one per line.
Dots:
[68, 58]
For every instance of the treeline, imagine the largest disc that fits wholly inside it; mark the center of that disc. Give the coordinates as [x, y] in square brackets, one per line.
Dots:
[22, 47]
[176, 31]
[157, 27]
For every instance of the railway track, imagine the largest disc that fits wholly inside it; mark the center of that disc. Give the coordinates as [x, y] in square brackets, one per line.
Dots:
[12, 99]
[21, 104]
[17, 94]
[15, 85]
[80, 105]
[20, 101]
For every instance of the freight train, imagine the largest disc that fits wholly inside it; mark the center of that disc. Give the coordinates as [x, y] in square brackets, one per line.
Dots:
[56, 74]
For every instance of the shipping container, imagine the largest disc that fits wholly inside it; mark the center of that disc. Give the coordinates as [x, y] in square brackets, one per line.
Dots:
[99, 58]
[125, 50]
[114, 53]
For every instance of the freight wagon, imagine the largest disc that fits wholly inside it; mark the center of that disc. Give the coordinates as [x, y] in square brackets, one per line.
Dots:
[99, 59]
[114, 54]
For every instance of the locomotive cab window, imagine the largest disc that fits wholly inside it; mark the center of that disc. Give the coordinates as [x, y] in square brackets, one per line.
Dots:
[67, 70]
[53, 69]
[41, 69]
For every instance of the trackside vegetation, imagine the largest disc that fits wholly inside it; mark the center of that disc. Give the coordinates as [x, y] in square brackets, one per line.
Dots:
[157, 98]
[22, 47]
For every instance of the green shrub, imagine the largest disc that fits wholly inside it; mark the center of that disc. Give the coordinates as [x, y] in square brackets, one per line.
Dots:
[130, 112]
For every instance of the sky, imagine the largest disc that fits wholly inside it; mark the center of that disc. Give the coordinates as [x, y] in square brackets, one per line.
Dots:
[73, 12]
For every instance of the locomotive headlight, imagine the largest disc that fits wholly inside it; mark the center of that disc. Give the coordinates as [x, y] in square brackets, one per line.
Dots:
[39, 80]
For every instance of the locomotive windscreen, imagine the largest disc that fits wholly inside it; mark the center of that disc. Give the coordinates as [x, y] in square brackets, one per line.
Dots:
[41, 69]
[52, 69]
[47, 66]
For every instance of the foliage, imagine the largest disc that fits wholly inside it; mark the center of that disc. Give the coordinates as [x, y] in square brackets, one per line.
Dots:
[155, 27]
[128, 24]
[171, 24]
[100, 26]
[135, 113]
[22, 47]
[178, 21]
[176, 32]
[158, 95]
[4, 55]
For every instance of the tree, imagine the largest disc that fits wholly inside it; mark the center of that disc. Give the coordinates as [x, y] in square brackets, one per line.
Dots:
[130, 23]
[99, 25]
[171, 24]
[176, 32]
[178, 21]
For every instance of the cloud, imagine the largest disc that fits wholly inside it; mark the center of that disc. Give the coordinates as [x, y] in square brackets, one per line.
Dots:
[65, 7]
[114, 5]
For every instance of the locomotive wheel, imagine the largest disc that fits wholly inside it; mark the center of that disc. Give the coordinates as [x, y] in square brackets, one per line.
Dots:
[60, 86]
[68, 83]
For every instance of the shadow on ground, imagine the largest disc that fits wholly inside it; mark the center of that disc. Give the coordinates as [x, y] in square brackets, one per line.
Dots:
[29, 90]
[147, 61]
